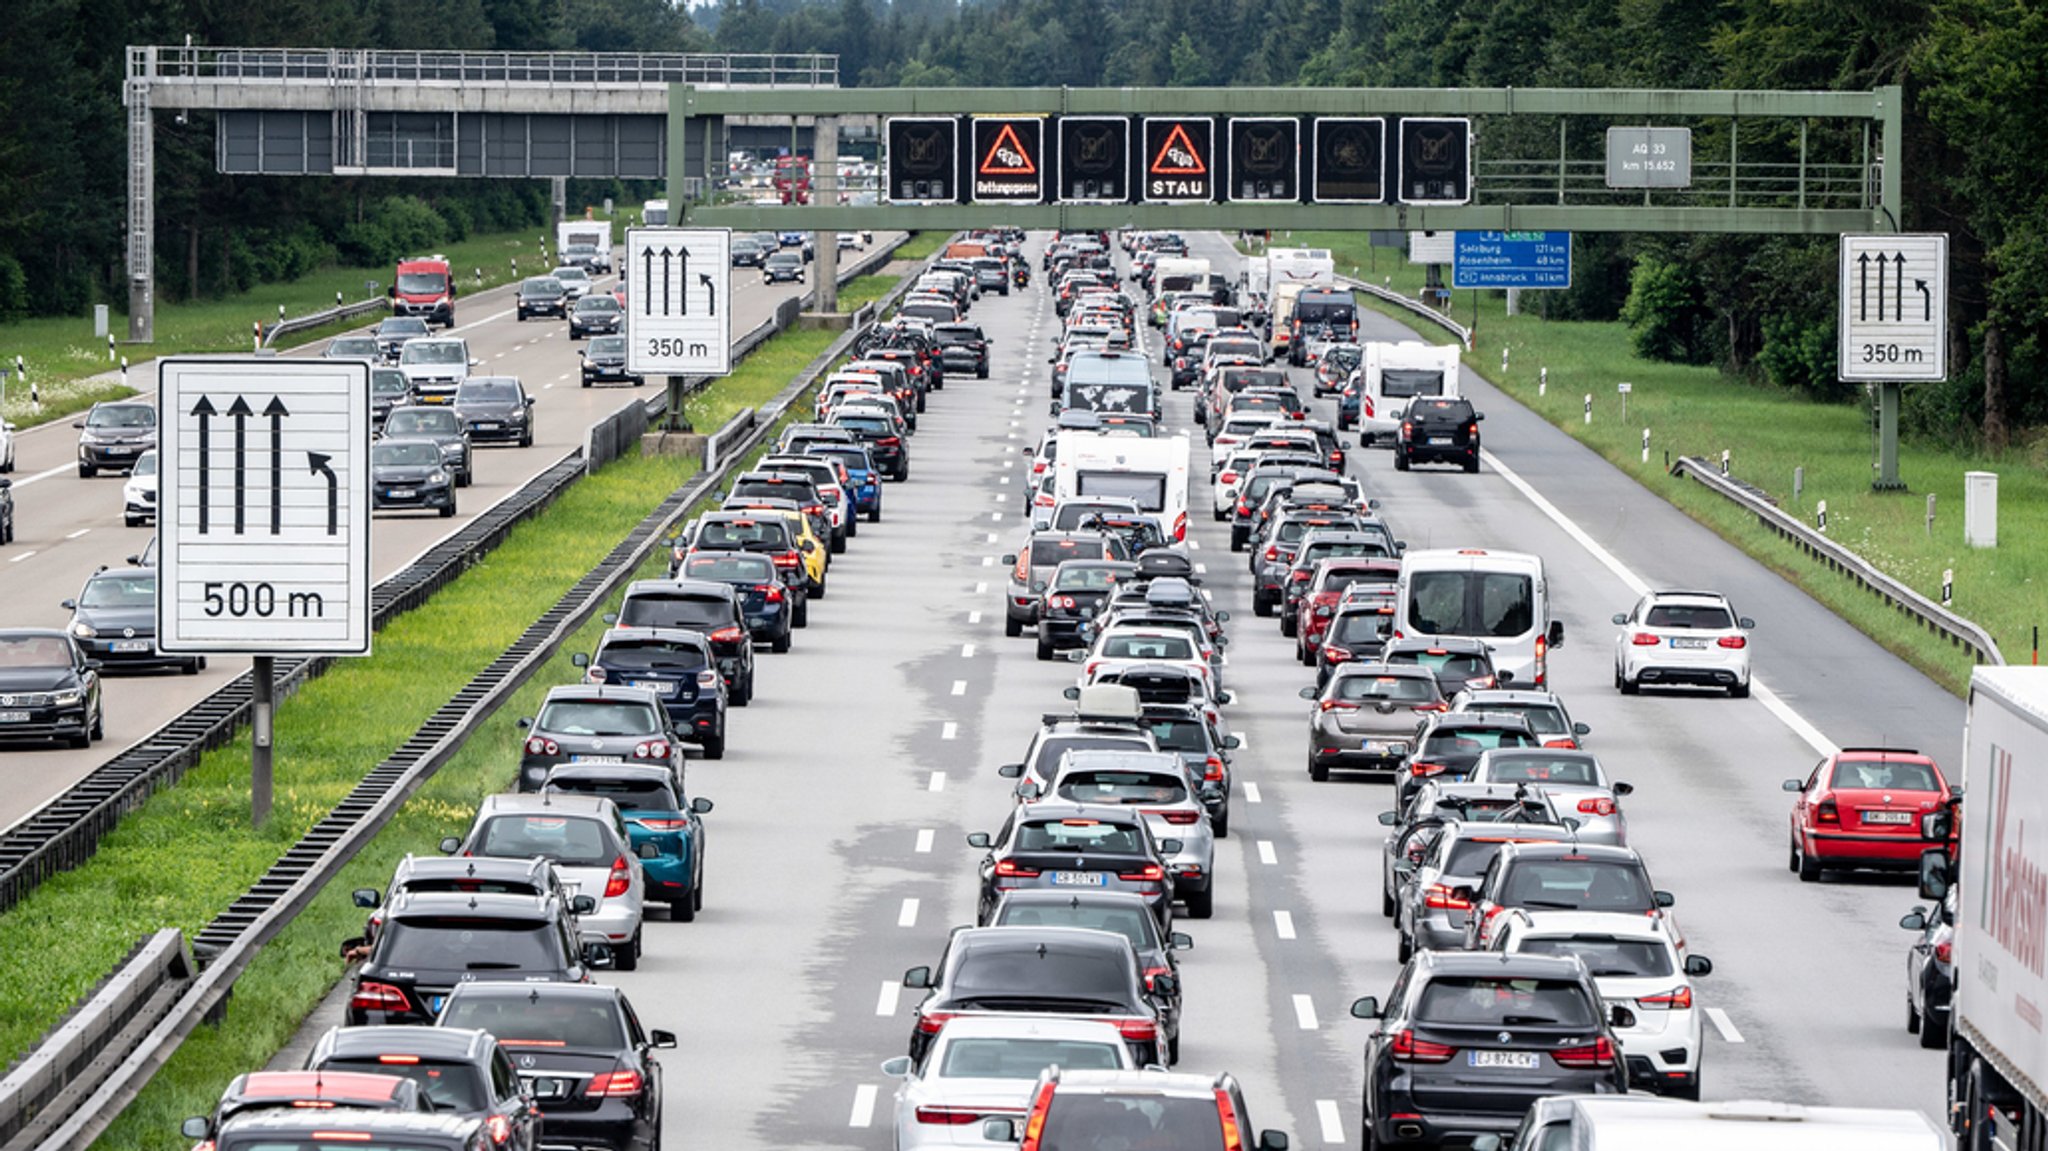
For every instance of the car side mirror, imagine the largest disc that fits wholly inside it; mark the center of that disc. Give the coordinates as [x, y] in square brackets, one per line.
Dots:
[1914, 920]
[1935, 825]
[1794, 785]
[647, 851]
[476, 363]
[1621, 619]
[1221, 616]
[580, 659]
[597, 956]
[1389, 818]
[1171, 847]
[979, 839]
[1365, 1007]
[1165, 986]
[1180, 941]
[1504, 677]
[1623, 789]
[353, 943]
[1581, 729]
[1746, 623]
[1556, 636]
[1488, 1143]
[999, 1130]
[450, 845]
[1076, 656]
[666, 1040]
[897, 1068]
[524, 722]
[700, 805]
[1225, 697]
[1011, 771]
[1232, 743]
[1662, 898]
[1934, 874]
[1307, 693]
[918, 977]
[197, 1127]
[1698, 965]
[1010, 559]
[1621, 1017]
[1071, 691]
[1403, 868]
[365, 897]
[582, 904]
[611, 617]
[69, 605]
[1272, 1141]
[1027, 791]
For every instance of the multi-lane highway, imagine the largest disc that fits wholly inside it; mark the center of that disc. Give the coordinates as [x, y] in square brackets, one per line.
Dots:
[837, 858]
[67, 526]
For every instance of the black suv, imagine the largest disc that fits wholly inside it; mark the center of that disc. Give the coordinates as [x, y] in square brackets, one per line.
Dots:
[1117, 912]
[267, 1130]
[495, 408]
[676, 665]
[1467, 1042]
[542, 296]
[464, 1073]
[702, 606]
[963, 348]
[583, 1056]
[429, 942]
[114, 620]
[1058, 843]
[1067, 971]
[48, 688]
[469, 875]
[1438, 430]
[1450, 746]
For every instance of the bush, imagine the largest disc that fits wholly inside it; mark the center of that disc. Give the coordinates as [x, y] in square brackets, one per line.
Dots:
[1800, 355]
[1666, 318]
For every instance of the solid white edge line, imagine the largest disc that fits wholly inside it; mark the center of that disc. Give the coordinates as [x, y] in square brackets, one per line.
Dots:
[1251, 793]
[76, 534]
[1331, 1120]
[1724, 1025]
[925, 836]
[1283, 923]
[908, 916]
[863, 1106]
[41, 476]
[21, 557]
[1266, 855]
[1305, 1013]
[885, 1004]
[1793, 721]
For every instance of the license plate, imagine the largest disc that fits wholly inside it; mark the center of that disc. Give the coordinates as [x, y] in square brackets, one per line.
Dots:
[434, 1003]
[548, 1087]
[131, 645]
[1080, 878]
[1436, 440]
[658, 687]
[401, 493]
[1374, 746]
[487, 427]
[596, 759]
[1689, 644]
[13, 717]
[1887, 817]
[1519, 1060]
[119, 450]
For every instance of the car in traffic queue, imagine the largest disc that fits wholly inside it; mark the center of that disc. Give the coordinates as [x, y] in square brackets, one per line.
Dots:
[883, 435]
[1356, 631]
[1328, 565]
[743, 530]
[1189, 731]
[1151, 1107]
[435, 366]
[769, 488]
[1074, 594]
[1460, 663]
[964, 348]
[864, 478]
[1057, 844]
[1272, 557]
[49, 688]
[772, 607]
[782, 268]
[1058, 971]
[112, 435]
[1450, 744]
[438, 874]
[440, 426]
[410, 474]
[834, 485]
[604, 362]
[1467, 1042]
[1368, 717]
[981, 1067]
[1683, 638]
[1161, 788]
[1575, 781]
[1545, 712]
[113, 618]
[1120, 647]
[392, 332]
[465, 1074]
[259, 1091]
[596, 723]
[707, 606]
[811, 548]
[138, 496]
[1117, 912]
[1862, 808]
[353, 348]
[585, 837]
[1438, 429]
[322, 1128]
[1438, 805]
[541, 296]
[495, 409]
[1568, 876]
[1931, 971]
[428, 942]
[1432, 897]
[576, 281]
[678, 667]
[664, 827]
[1031, 566]
[596, 315]
[1634, 965]
[388, 390]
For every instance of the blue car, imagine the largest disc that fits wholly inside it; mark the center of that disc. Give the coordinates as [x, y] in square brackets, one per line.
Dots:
[860, 467]
[770, 606]
[657, 815]
[678, 666]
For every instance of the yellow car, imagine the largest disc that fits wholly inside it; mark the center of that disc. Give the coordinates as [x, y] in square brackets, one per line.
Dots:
[815, 554]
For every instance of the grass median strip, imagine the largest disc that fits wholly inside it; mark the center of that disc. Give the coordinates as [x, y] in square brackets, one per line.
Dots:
[1700, 411]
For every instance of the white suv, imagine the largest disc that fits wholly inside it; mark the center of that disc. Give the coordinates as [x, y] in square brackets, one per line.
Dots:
[1635, 965]
[1682, 637]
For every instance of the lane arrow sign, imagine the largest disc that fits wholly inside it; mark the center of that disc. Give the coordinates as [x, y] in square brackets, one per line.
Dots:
[1863, 287]
[710, 292]
[241, 410]
[647, 278]
[205, 410]
[666, 269]
[1898, 286]
[1926, 301]
[1882, 262]
[276, 410]
[318, 466]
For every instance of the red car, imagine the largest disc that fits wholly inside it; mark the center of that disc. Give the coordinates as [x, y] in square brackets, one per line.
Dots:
[1326, 587]
[1861, 808]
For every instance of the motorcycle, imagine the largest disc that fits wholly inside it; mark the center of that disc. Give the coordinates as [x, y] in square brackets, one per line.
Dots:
[1022, 275]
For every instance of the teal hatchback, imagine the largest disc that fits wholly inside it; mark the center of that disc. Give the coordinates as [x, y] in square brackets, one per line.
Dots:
[665, 826]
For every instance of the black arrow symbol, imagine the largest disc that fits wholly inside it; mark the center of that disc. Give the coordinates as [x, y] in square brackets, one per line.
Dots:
[666, 269]
[647, 278]
[204, 409]
[1898, 286]
[318, 466]
[1883, 262]
[710, 293]
[1863, 287]
[276, 410]
[683, 273]
[1926, 301]
[241, 410]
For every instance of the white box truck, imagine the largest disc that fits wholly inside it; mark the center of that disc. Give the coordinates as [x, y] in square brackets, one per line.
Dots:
[1998, 1040]
[592, 241]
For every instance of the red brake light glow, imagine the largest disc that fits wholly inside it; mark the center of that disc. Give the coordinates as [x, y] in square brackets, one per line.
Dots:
[620, 879]
[1408, 1049]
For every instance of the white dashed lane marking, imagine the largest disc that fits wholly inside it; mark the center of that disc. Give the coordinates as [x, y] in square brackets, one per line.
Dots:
[1266, 855]
[1724, 1025]
[925, 835]
[908, 916]
[886, 1003]
[1283, 923]
[863, 1106]
[1305, 1013]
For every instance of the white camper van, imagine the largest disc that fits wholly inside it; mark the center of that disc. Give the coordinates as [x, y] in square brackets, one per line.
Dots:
[1391, 374]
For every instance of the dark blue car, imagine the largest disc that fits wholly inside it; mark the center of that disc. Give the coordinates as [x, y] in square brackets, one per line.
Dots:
[860, 467]
[770, 606]
[657, 815]
[678, 666]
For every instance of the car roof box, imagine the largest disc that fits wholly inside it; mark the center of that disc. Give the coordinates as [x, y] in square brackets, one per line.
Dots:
[1107, 701]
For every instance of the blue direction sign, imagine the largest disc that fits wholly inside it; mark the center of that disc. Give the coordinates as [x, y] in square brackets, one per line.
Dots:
[1512, 260]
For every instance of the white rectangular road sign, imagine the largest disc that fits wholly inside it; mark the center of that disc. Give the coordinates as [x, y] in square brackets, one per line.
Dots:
[263, 506]
[678, 301]
[1894, 316]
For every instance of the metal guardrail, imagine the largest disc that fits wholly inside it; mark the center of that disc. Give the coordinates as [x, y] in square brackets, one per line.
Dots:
[321, 319]
[55, 1068]
[152, 64]
[1440, 319]
[1961, 632]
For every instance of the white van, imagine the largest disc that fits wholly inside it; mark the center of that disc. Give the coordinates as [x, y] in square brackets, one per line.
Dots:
[1499, 598]
[1301, 266]
[1391, 374]
[1179, 274]
[1152, 472]
[1633, 1121]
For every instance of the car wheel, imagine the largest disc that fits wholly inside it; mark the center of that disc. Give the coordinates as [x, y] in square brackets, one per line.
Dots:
[1012, 627]
[1289, 626]
[1809, 867]
[981, 372]
[1220, 515]
[1261, 606]
[875, 514]
[462, 478]
[1173, 1050]
[526, 441]
[780, 643]
[1792, 856]
[586, 382]
[747, 693]
[683, 910]
[802, 617]
[818, 589]
[1044, 649]
[1912, 1017]
[1688, 1091]
[193, 666]
[1739, 691]
[448, 511]
[714, 745]
[1237, 539]
[1628, 686]
[1318, 772]
[1203, 904]
[1933, 1033]
[87, 471]
[629, 955]
[1386, 903]
[1404, 948]
[1400, 460]
[131, 521]
[838, 544]
[852, 525]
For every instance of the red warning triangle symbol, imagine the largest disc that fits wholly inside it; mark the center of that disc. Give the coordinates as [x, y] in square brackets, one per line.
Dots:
[1010, 160]
[1178, 157]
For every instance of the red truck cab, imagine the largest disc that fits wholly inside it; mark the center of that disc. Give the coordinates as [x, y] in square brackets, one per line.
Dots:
[424, 287]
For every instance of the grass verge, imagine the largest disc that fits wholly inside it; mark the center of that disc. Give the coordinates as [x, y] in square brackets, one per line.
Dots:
[1768, 433]
[922, 245]
[65, 359]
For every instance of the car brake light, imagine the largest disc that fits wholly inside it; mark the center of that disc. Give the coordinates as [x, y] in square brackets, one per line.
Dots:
[1564, 744]
[1733, 641]
[1679, 997]
[663, 824]
[772, 593]
[1272, 552]
[379, 997]
[1212, 769]
[1407, 429]
[948, 1116]
[1337, 705]
[707, 678]
[1471, 429]
[1598, 1053]
[1827, 812]
[727, 634]
[620, 879]
[1439, 705]
[890, 441]
[1180, 818]
[1139, 1029]
[1243, 508]
[787, 559]
[1598, 805]
[1945, 951]
[1034, 1127]
[930, 1022]
[1422, 767]
[1335, 654]
[500, 1129]
[1232, 1139]
[1644, 639]
[1150, 873]
[1088, 669]
[1010, 867]
[1227, 477]
[541, 745]
[1408, 1049]
[1300, 577]
[596, 674]
[1439, 896]
[651, 749]
[614, 1085]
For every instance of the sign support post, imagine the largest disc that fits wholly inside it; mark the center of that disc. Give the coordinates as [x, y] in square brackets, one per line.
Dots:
[263, 705]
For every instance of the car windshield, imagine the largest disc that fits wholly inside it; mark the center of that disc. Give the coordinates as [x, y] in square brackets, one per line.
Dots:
[388, 382]
[729, 567]
[597, 717]
[1080, 835]
[1174, 734]
[404, 453]
[1541, 769]
[402, 326]
[1490, 1001]
[744, 533]
[456, 1087]
[1084, 577]
[1122, 787]
[121, 416]
[1700, 617]
[630, 794]
[1358, 627]
[1447, 664]
[1880, 775]
[1448, 411]
[422, 283]
[1023, 1059]
[469, 942]
[606, 346]
[145, 464]
[1581, 883]
[1099, 973]
[1473, 740]
[353, 346]
[572, 275]
[1111, 1122]
[1604, 955]
[694, 613]
[1546, 718]
[566, 839]
[874, 425]
[1147, 647]
[1475, 603]
[421, 421]
[488, 391]
[115, 591]
[589, 304]
[1408, 689]
[433, 352]
[650, 654]
[34, 651]
[587, 1022]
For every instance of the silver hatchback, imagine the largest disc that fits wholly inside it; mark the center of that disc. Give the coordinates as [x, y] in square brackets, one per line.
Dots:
[586, 839]
[1160, 786]
[1577, 784]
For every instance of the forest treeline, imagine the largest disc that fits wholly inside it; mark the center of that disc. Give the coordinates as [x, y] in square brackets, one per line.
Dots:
[1975, 74]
